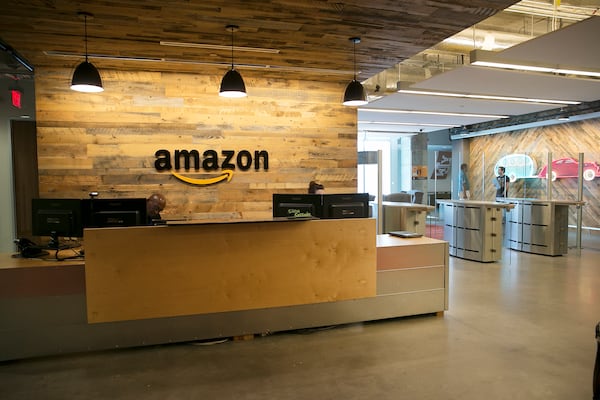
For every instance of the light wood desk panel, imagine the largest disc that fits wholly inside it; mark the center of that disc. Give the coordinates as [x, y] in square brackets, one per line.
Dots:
[151, 272]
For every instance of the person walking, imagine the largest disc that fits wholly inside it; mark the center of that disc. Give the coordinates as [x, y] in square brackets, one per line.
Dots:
[501, 183]
[464, 188]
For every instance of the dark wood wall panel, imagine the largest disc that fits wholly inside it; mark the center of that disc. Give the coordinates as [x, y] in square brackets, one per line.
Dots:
[25, 173]
[562, 140]
[106, 142]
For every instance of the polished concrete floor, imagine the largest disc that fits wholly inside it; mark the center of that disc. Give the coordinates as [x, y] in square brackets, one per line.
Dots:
[522, 328]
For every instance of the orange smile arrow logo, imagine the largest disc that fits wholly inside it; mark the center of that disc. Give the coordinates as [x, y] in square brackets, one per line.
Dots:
[227, 174]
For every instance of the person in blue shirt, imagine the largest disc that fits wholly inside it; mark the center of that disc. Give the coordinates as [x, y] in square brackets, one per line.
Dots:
[464, 188]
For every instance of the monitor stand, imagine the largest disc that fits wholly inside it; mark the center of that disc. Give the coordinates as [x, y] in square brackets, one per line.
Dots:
[54, 243]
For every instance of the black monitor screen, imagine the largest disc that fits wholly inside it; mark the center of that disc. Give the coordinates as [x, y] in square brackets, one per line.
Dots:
[352, 205]
[57, 217]
[103, 213]
[296, 205]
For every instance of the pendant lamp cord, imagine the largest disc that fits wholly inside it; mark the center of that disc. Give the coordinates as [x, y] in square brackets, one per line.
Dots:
[354, 41]
[85, 37]
[232, 48]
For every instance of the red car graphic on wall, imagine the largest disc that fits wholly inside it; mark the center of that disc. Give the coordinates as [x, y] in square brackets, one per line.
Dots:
[569, 167]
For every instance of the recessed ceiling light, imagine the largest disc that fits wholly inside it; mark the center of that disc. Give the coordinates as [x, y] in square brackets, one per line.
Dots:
[408, 124]
[443, 113]
[482, 58]
[487, 97]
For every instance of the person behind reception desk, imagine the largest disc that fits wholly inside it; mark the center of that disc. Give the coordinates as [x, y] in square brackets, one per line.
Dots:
[315, 188]
[501, 183]
[154, 205]
[464, 188]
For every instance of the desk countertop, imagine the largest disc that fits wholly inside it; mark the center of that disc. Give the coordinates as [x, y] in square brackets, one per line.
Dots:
[387, 240]
[413, 206]
[234, 221]
[477, 203]
[14, 260]
[542, 201]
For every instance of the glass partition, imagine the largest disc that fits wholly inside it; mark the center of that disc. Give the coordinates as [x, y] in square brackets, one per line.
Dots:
[573, 184]
[590, 237]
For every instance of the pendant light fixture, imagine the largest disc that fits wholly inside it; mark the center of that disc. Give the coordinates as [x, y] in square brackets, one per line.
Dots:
[355, 94]
[232, 84]
[86, 77]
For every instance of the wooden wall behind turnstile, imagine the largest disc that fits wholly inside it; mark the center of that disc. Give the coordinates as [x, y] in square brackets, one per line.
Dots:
[562, 140]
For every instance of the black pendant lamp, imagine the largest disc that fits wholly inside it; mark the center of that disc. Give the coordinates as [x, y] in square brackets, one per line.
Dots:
[232, 84]
[355, 94]
[86, 77]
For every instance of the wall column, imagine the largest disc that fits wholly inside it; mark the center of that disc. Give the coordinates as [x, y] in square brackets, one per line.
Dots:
[419, 160]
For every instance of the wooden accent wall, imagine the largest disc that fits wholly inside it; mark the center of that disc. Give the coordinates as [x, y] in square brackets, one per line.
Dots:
[563, 140]
[106, 142]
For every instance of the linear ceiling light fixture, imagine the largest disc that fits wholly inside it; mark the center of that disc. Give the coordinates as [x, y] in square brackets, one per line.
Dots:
[86, 77]
[408, 124]
[232, 84]
[14, 54]
[482, 58]
[487, 97]
[355, 94]
[219, 47]
[442, 113]
[399, 133]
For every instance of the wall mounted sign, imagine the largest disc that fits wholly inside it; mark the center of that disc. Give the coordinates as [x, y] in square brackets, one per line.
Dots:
[222, 166]
[419, 172]
[569, 168]
[517, 166]
[442, 165]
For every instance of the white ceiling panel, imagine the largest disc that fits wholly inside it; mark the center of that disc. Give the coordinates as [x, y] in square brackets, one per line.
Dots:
[574, 45]
[377, 121]
[405, 101]
[483, 80]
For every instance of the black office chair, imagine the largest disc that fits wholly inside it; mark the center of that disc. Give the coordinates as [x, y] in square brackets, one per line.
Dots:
[417, 196]
[596, 382]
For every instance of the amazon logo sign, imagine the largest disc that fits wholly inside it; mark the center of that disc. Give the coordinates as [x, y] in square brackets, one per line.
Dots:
[220, 167]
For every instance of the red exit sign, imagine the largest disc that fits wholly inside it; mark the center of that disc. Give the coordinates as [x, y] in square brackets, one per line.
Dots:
[16, 97]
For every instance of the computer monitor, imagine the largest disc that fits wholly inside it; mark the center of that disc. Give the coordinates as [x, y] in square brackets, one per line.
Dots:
[104, 213]
[296, 205]
[57, 218]
[350, 205]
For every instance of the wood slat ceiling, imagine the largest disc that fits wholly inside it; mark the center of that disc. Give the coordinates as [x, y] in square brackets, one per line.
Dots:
[311, 36]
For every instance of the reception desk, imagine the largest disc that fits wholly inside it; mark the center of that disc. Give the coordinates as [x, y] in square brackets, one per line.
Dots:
[539, 226]
[163, 284]
[199, 268]
[474, 229]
